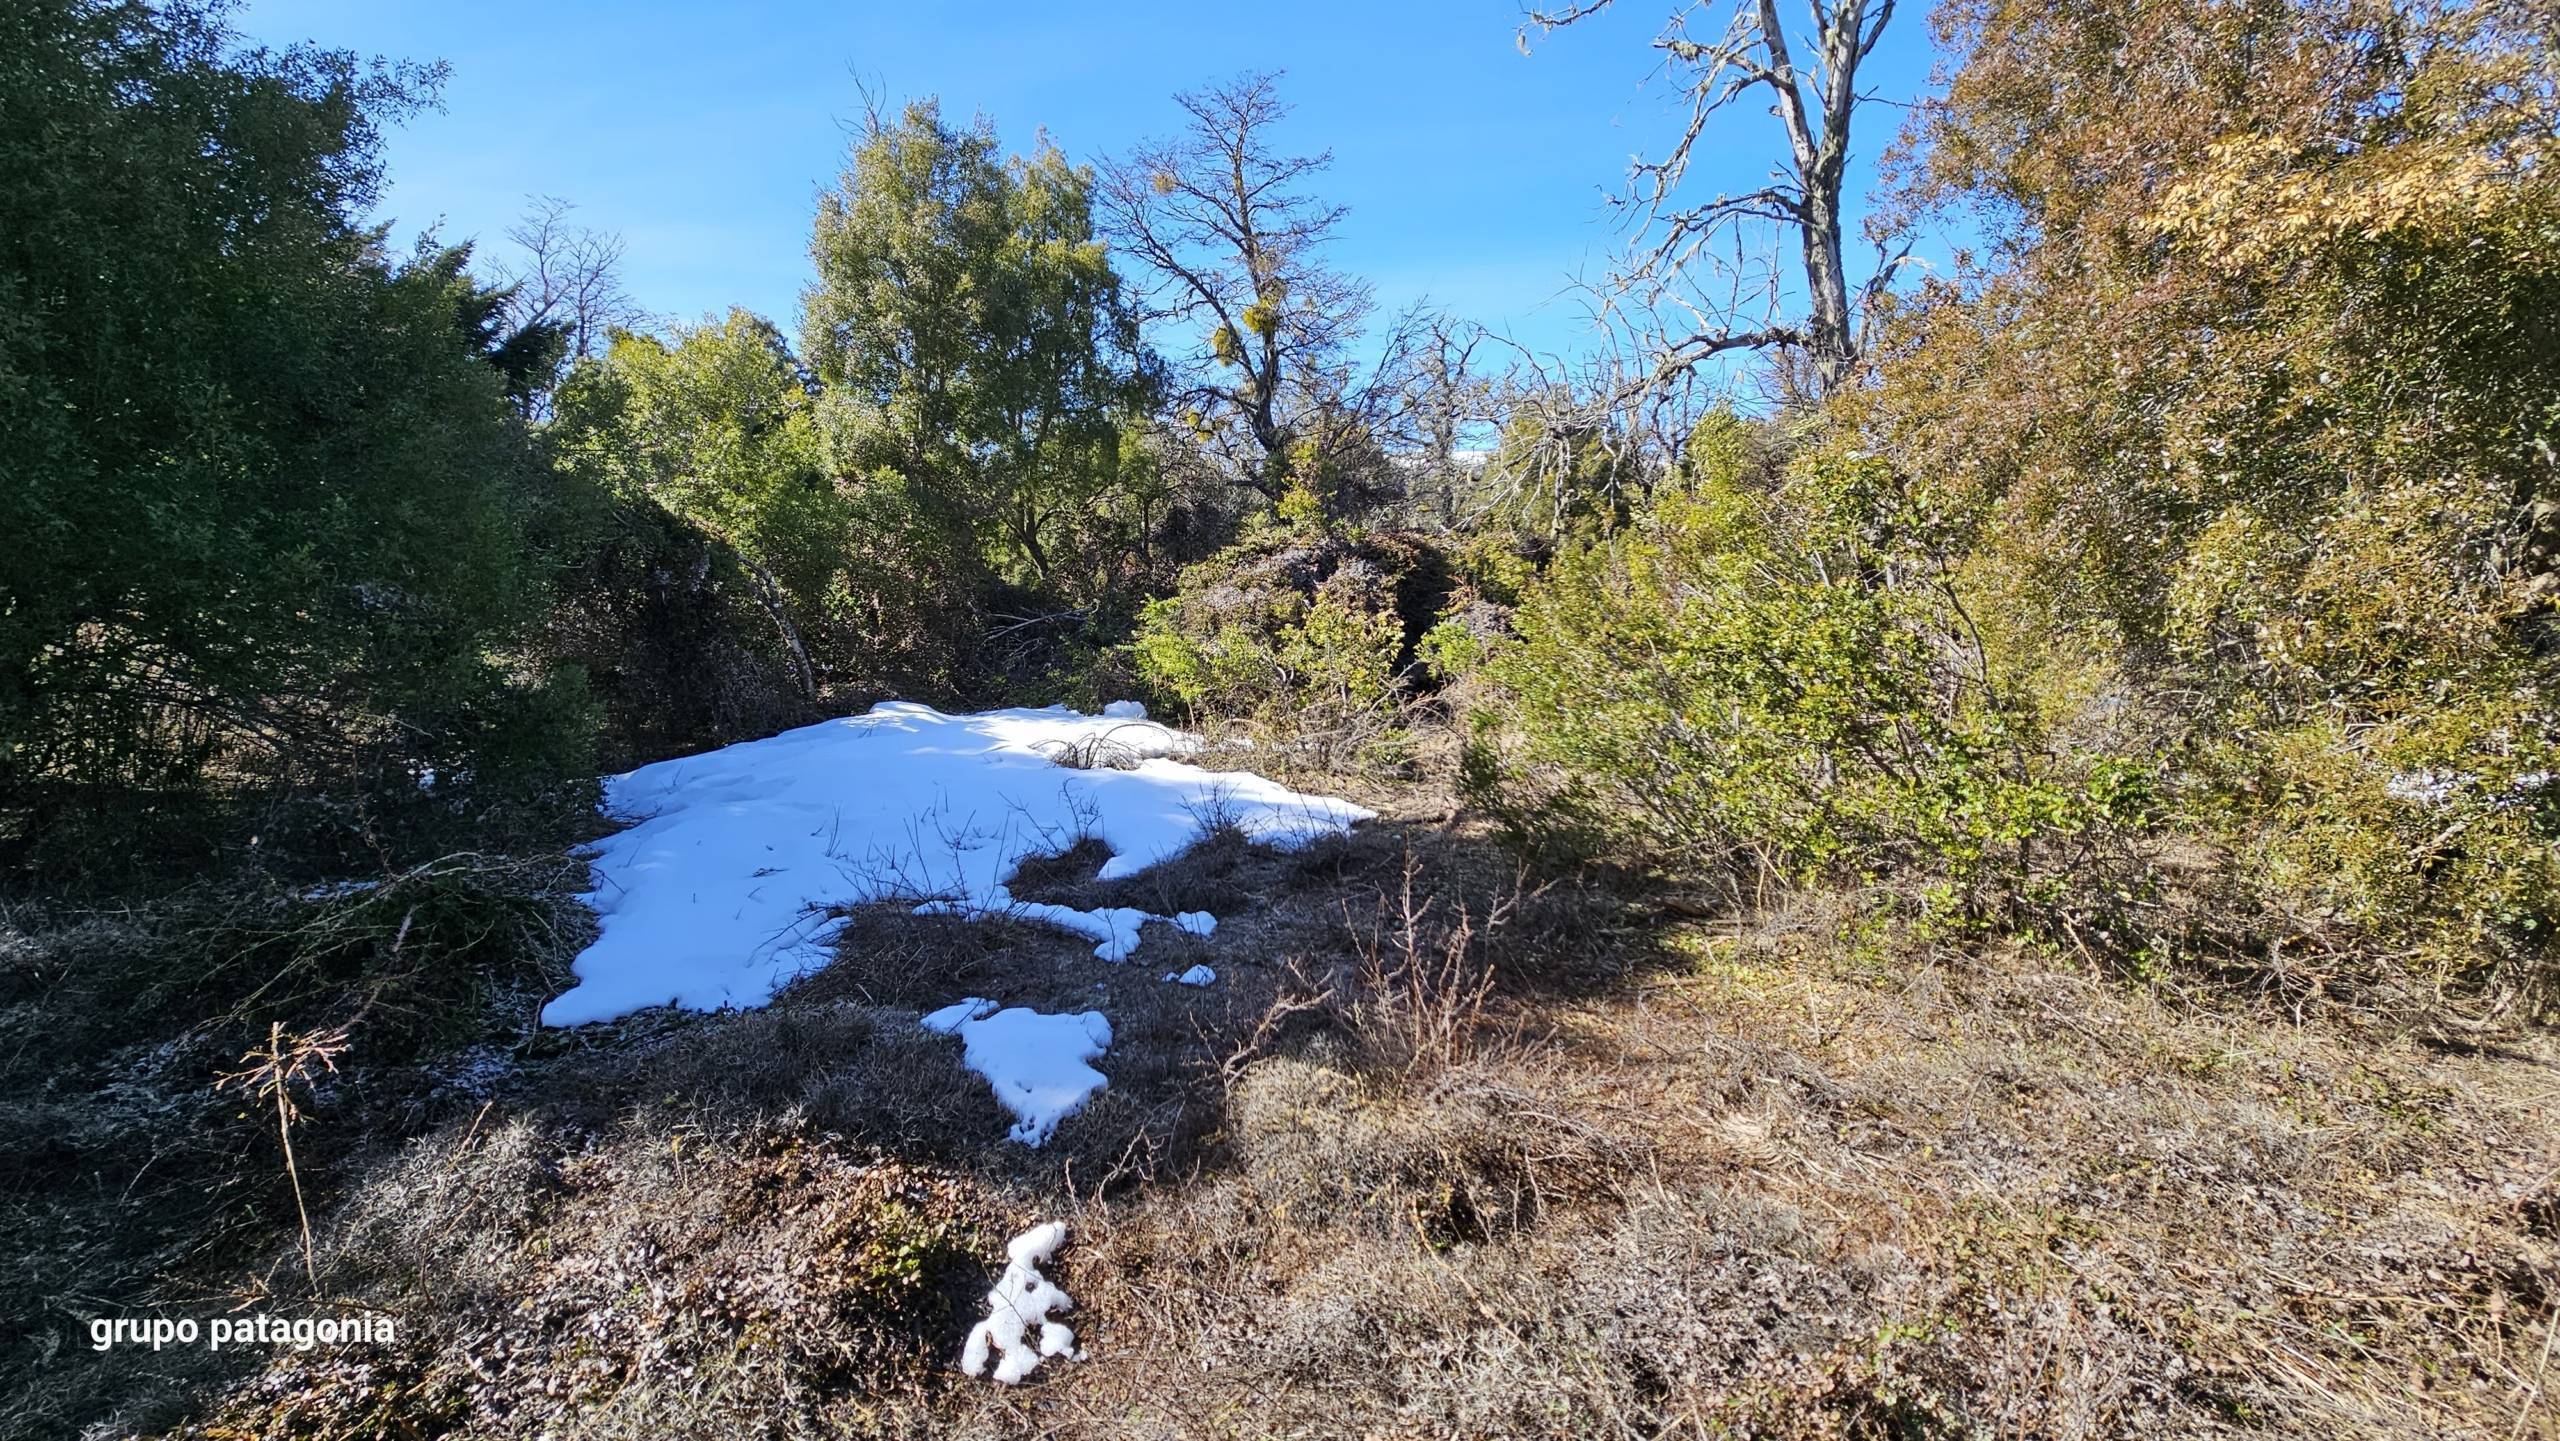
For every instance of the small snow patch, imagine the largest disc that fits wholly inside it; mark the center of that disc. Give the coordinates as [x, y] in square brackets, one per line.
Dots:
[1198, 923]
[1113, 929]
[1196, 976]
[1034, 1061]
[1023, 1301]
[1124, 710]
[2423, 788]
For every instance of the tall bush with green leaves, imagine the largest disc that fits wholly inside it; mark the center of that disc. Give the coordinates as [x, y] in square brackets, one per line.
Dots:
[1310, 636]
[1774, 684]
[976, 351]
[716, 424]
[2252, 407]
[263, 484]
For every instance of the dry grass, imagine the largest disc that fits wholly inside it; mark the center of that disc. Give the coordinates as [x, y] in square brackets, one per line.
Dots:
[1440, 1155]
[670, 1277]
[1765, 1196]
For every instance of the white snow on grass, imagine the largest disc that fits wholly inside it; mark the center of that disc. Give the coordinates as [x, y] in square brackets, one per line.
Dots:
[1196, 976]
[1036, 1062]
[739, 863]
[1023, 1300]
[1114, 929]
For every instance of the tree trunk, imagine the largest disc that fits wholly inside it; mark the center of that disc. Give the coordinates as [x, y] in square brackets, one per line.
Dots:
[769, 595]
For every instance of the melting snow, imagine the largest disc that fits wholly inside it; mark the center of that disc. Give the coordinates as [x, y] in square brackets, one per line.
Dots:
[1196, 976]
[734, 875]
[1023, 1300]
[1036, 1062]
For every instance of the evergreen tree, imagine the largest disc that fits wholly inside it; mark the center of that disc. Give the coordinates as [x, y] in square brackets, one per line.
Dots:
[718, 427]
[262, 484]
[972, 339]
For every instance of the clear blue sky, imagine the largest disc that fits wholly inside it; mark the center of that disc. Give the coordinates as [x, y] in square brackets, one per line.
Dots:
[702, 133]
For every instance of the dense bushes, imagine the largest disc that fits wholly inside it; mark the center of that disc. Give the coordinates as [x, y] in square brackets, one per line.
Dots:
[264, 487]
[851, 586]
[288, 508]
[1310, 633]
[1768, 682]
[671, 634]
[2212, 516]
[953, 496]
[2257, 420]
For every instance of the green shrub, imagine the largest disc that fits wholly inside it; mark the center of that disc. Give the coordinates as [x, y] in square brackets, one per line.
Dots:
[1312, 638]
[1770, 685]
[2426, 846]
[1451, 650]
[2253, 417]
[676, 650]
[263, 480]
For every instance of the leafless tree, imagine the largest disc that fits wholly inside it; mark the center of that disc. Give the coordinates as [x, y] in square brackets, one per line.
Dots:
[1230, 240]
[1691, 283]
[1590, 434]
[1448, 410]
[568, 276]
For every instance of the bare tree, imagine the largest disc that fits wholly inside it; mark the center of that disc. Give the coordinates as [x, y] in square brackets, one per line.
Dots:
[1223, 224]
[1446, 402]
[568, 277]
[1690, 282]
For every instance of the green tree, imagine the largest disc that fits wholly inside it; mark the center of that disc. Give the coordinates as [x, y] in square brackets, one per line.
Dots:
[719, 427]
[263, 488]
[972, 338]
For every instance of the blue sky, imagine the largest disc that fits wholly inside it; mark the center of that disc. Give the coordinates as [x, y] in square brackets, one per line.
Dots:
[701, 133]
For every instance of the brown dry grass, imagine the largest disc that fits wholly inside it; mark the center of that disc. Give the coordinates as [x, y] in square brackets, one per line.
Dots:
[1764, 1194]
[1771, 1183]
[1493, 1160]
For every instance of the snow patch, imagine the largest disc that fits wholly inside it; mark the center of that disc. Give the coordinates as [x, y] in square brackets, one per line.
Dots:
[1036, 1062]
[1198, 923]
[739, 865]
[2423, 787]
[1196, 976]
[1023, 1301]
[1114, 929]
